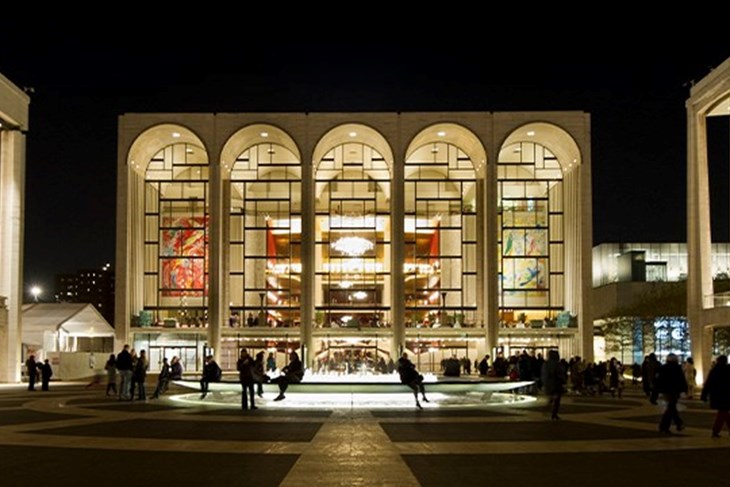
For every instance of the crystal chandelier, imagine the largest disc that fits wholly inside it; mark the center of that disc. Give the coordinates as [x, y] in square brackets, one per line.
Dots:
[353, 246]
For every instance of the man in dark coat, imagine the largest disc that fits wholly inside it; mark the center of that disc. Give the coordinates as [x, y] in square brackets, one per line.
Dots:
[410, 377]
[291, 374]
[31, 367]
[46, 374]
[717, 387]
[553, 381]
[670, 382]
[211, 373]
[245, 368]
[124, 366]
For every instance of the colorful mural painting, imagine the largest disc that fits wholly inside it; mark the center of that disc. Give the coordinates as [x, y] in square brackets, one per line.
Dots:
[183, 240]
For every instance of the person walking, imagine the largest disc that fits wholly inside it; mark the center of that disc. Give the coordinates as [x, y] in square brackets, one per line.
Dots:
[111, 374]
[162, 379]
[553, 381]
[245, 367]
[31, 368]
[410, 377]
[140, 374]
[717, 388]
[670, 382]
[211, 373]
[690, 375]
[291, 374]
[124, 366]
[615, 380]
[46, 374]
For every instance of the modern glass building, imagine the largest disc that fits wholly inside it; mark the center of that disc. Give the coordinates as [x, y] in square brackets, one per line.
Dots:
[354, 236]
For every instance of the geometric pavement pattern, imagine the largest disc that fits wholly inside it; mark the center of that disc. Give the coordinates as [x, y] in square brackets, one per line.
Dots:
[74, 436]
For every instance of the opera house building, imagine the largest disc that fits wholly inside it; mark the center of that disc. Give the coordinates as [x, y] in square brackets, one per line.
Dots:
[352, 237]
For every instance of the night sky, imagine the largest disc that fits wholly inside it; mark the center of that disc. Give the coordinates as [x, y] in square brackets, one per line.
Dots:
[636, 101]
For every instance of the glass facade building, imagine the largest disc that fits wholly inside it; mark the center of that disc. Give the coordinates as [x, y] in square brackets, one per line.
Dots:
[353, 237]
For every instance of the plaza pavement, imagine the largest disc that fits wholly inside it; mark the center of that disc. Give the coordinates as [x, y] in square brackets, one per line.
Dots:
[74, 436]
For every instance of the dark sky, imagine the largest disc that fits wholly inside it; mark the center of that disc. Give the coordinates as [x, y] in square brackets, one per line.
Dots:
[636, 100]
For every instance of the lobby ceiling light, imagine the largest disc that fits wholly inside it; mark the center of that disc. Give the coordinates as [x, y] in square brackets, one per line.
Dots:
[189, 151]
[176, 135]
[264, 134]
[530, 133]
[441, 133]
[353, 134]
[360, 295]
[353, 246]
[346, 284]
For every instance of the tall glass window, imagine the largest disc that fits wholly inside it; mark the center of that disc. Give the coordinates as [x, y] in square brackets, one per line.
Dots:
[176, 237]
[352, 238]
[530, 234]
[440, 237]
[265, 237]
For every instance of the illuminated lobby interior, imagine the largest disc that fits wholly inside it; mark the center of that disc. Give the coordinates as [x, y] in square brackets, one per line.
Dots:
[351, 237]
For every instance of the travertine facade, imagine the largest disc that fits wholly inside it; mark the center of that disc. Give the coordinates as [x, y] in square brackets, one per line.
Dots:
[406, 229]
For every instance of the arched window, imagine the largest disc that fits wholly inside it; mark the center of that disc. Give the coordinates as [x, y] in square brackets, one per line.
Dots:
[441, 229]
[176, 236]
[530, 231]
[265, 236]
[352, 233]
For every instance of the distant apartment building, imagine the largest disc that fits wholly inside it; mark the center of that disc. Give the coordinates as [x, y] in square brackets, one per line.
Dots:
[95, 286]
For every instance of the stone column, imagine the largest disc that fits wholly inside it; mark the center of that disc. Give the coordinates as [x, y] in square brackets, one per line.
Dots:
[215, 246]
[491, 318]
[397, 255]
[12, 189]
[122, 307]
[480, 257]
[308, 252]
[699, 244]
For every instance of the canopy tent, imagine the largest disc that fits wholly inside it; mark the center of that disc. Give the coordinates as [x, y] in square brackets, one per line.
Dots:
[49, 326]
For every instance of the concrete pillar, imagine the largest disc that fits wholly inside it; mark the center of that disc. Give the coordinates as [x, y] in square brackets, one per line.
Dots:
[491, 317]
[480, 257]
[12, 189]
[699, 240]
[308, 252]
[122, 314]
[216, 292]
[398, 254]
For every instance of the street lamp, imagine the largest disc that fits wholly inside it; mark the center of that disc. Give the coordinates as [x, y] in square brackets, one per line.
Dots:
[36, 291]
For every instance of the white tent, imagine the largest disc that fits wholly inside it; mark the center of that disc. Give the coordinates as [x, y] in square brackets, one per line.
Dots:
[56, 327]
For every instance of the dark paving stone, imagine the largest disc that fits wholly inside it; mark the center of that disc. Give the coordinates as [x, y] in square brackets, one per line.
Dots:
[23, 416]
[12, 403]
[685, 467]
[577, 409]
[262, 411]
[92, 400]
[131, 407]
[68, 467]
[691, 419]
[439, 413]
[523, 431]
[607, 400]
[193, 430]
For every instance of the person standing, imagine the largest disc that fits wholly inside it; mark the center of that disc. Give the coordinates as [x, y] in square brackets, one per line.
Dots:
[111, 374]
[670, 382]
[410, 377]
[162, 379]
[211, 373]
[690, 375]
[46, 374]
[259, 376]
[124, 366]
[133, 381]
[484, 366]
[245, 367]
[291, 374]
[31, 368]
[553, 381]
[614, 377]
[140, 374]
[717, 388]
